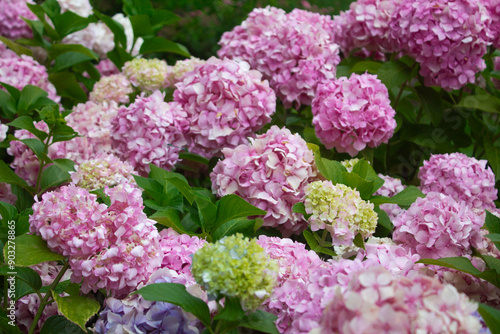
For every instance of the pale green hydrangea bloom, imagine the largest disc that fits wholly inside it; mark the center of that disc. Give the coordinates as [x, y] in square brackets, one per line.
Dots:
[340, 210]
[236, 266]
[146, 74]
[350, 163]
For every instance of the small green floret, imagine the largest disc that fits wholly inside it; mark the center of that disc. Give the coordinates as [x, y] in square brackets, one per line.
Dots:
[236, 266]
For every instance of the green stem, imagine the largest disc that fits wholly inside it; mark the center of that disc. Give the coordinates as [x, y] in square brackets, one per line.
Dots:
[403, 86]
[43, 162]
[46, 298]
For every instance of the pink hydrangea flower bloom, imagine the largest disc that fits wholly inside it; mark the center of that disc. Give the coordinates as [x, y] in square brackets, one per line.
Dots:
[112, 88]
[6, 194]
[150, 130]
[377, 301]
[494, 26]
[294, 51]
[391, 187]
[12, 25]
[6, 52]
[178, 72]
[226, 102]
[447, 38]
[106, 67]
[438, 226]
[352, 113]
[24, 70]
[270, 172]
[465, 179]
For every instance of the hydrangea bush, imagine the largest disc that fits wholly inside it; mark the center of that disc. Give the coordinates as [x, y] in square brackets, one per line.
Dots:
[323, 174]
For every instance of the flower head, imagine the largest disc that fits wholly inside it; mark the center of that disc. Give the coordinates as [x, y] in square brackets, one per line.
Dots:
[270, 172]
[115, 87]
[147, 75]
[12, 25]
[340, 210]
[226, 102]
[178, 72]
[391, 187]
[235, 266]
[352, 113]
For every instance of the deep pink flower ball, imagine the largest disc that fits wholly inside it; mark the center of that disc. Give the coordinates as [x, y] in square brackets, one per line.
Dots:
[5, 52]
[106, 67]
[226, 102]
[352, 113]
[365, 25]
[448, 39]
[294, 51]
[149, 130]
[24, 70]
[376, 301]
[70, 220]
[271, 173]
[12, 25]
[465, 179]
[493, 8]
[438, 226]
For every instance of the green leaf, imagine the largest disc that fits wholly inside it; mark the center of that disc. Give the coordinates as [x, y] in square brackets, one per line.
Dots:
[176, 294]
[59, 49]
[7, 211]
[137, 7]
[492, 262]
[404, 198]
[7, 105]
[13, 91]
[63, 132]
[383, 220]
[232, 310]
[163, 17]
[58, 324]
[183, 187]
[17, 48]
[491, 317]
[36, 146]
[369, 66]
[492, 223]
[207, 212]
[115, 27]
[69, 59]
[232, 206]
[193, 157]
[355, 181]
[394, 73]
[170, 218]
[77, 309]
[67, 86]
[119, 56]
[141, 26]
[65, 164]
[8, 325]
[26, 274]
[261, 321]
[53, 176]
[482, 100]
[29, 96]
[31, 250]
[299, 208]
[358, 241]
[331, 170]
[458, 263]
[160, 44]
[493, 237]
[237, 225]
[7, 175]
[493, 156]
[69, 22]
[430, 101]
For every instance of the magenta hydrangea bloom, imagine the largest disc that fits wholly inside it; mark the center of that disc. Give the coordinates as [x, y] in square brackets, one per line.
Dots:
[178, 250]
[6, 52]
[226, 102]
[12, 25]
[494, 11]
[438, 226]
[270, 172]
[391, 187]
[115, 88]
[465, 179]
[365, 25]
[352, 113]
[377, 301]
[150, 130]
[70, 220]
[24, 70]
[178, 72]
[106, 67]
[6, 194]
[448, 39]
[294, 51]
[134, 252]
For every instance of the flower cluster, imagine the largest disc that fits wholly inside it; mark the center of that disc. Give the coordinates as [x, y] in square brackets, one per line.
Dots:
[147, 75]
[494, 26]
[294, 51]
[178, 72]
[377, 301]
[270, 173]
[24, 70]
[12, 25]
[80, 7]
[6, 52]
[351, 113]
[150, 130]
[235, 266]
[106, 67]
[103, 170]
[349, 164]
[391, 187]
[134, 314]
[3, 131]
[115, 87]
[340, 210]
[438, 226]
[226, 102]
[365, 25]
[6, 194]
[447, 38]
[465, 179]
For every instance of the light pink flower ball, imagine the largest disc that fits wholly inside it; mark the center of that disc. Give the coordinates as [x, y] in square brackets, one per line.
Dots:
[12, 25]
[226, 102]
[391, 187]
[24, 70]
[438, 226]
[150, 130]
[448, 39]
[294, 51]
[271, 173]
[106, 67]
[465, 179]
[352, 113]
[6, 52]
